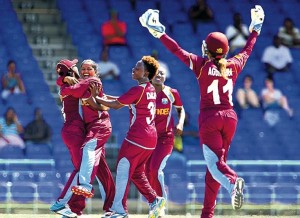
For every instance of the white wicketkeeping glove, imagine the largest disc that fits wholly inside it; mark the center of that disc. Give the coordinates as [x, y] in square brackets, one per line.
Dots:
[150, 20]
[257, 19]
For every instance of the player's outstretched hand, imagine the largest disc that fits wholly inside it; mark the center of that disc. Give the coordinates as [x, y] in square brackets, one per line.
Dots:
[150, 20]
[257, 19]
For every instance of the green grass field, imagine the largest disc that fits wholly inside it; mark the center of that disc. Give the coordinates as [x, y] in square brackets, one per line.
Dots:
[132, 216]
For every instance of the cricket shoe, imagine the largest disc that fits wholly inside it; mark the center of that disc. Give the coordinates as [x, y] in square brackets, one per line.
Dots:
[162, 212]
[62, 210]
[118, 215]
[156, 206]
[237, 197]
[107, 214]
[80, 190]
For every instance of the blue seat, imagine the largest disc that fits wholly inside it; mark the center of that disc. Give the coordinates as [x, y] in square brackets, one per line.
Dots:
[18, 167]
[64, 165]
[259, 194]
[11, 151]
[48, 191]
[23, 192]
[48, 176]
[290, 179]
[196, 192]
[5, 176]
[38, 151]
[3, 191]
[180, 195]
[286, 194]
[23, 177]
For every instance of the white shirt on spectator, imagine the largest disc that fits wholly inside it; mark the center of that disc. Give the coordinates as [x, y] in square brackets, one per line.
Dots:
[106, 66]
[277, 57]
[239, 41]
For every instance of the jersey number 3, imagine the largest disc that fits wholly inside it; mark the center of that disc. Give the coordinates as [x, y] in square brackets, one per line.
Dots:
[214, 88]
[151, 106]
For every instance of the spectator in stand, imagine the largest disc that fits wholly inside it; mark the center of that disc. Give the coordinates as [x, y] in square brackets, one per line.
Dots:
[200, 11]
[237, 33]
[109, 70]
[11, 129]
[276, 57]
[272, 98]
[246, 96]
[38, 130]
[114, 30]
[162, 64]
[289, 34]
[11, 81]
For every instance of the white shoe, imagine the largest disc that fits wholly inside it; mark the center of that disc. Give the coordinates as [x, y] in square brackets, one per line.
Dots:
[156, 206]
[237, 197]
[62, 210]
[162, 212]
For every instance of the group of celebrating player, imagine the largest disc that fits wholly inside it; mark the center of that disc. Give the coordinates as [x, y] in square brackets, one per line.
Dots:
[149, 140]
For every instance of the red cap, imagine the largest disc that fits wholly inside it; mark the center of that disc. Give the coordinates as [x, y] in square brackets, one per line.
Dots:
[65, 66]
[217, 44]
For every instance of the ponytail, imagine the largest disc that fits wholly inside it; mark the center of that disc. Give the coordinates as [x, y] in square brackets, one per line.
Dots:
[222, 63]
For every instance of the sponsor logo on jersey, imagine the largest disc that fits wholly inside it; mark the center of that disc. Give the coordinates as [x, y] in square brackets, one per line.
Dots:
[162, 111]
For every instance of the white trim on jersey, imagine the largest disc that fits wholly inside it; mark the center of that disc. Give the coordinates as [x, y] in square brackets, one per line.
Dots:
[136, 144]
[133, 110]
[170, 96]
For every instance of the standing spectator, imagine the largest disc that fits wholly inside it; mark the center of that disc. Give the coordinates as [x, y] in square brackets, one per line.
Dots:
[38, 130]
[11, 81]
[217, 120]
[289, 34]
[246, 96]
[114, 30]
[140, 140]
[167, 97]
[11, 130]
[162, 64]
[237, 33]
[108, 69]
[273, 98]
[200, 11]
[276, 57]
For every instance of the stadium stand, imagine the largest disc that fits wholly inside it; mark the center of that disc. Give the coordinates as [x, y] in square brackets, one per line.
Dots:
[37, 48]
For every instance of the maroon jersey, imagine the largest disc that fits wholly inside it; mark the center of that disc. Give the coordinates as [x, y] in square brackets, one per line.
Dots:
[216, 92]
[141, 101]
[164, 121]
[70, 104]
[80, 90]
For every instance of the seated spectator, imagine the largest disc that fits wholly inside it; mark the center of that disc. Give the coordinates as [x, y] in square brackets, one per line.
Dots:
[200, 11]
[237, 33]
[276, 57]
[162, 64]
[38, 130]
[114, 30]
[289, 34]
[273, 99]
[11, 130]
[108, 69]
[190, 134]
[246, 96]
[11, 82]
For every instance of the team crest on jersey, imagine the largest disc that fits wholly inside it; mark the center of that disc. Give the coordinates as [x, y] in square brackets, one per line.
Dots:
[164, 101]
